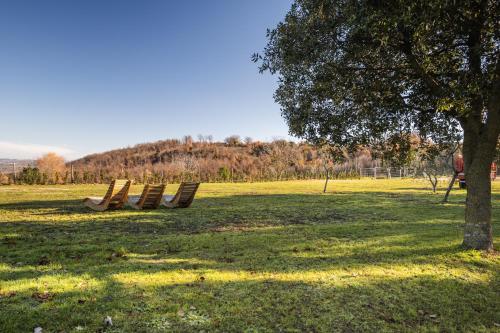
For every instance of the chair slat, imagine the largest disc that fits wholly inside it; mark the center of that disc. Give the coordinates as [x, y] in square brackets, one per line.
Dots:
[115, 196]
[184, 196]
[150, 198]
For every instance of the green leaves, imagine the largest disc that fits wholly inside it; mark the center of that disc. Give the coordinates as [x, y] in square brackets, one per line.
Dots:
[355, 73]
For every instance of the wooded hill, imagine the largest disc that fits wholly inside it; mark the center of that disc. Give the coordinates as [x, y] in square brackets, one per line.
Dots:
[203, 160]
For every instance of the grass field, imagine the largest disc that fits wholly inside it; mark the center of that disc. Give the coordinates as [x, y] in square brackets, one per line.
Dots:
[368, 256]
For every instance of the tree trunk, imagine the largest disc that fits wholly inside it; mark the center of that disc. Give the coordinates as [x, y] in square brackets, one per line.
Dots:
[479, 147]
[478, 232]
[432, 180]
[326, 182]
[450, 186]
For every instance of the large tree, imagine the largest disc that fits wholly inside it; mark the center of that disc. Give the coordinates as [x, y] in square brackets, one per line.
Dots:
[365, 72]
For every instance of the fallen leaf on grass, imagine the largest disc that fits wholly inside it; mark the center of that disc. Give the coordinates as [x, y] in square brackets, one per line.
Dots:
[42, 297]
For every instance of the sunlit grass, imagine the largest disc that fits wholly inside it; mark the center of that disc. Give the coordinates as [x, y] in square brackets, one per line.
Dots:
[368, 256]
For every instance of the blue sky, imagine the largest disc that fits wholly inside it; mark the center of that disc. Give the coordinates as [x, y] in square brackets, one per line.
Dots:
[86, 76]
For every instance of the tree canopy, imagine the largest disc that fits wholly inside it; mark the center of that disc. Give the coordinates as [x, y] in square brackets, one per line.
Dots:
[364, 72]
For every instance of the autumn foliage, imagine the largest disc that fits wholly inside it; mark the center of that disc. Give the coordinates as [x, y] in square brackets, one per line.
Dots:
[52, 168]
[207, 161]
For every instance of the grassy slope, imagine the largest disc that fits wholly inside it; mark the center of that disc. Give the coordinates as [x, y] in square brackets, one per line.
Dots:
[369, 256]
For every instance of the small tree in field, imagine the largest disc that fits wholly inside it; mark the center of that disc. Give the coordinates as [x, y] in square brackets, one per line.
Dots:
[356, 72]
[329, 155]
[432, 168]
[433, 161]
[52, 166]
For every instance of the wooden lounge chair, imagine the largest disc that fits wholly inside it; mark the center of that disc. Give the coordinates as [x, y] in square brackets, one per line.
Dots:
[149, 199]
[115, 197]
[184, 196]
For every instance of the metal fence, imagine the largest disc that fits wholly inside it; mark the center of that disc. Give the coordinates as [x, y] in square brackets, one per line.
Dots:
[387, 173]
[13, 170]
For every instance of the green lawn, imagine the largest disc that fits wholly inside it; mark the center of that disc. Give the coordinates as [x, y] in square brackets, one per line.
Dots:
[369, 256]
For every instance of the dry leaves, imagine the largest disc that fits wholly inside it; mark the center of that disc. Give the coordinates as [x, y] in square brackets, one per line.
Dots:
[42, 297]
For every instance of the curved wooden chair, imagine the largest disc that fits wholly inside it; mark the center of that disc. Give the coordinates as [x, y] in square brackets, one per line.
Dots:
[115, 197]
[149, 199]
[184, 196]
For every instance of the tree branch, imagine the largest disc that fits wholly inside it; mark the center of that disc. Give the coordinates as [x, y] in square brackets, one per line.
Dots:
[436, 88]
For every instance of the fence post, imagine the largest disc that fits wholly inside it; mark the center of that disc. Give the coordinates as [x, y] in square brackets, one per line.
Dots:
[400, 173]
[375, 172]
[14, 171]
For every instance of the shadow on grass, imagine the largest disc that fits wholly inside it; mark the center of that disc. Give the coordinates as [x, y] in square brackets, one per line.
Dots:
[334, 234]
[423, 303]
[221, 253]
[370, 201]
[388, 229]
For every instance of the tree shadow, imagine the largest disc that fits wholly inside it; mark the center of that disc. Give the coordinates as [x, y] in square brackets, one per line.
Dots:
[245, 203]
[344, 217]
[267, 249]
[352, 304]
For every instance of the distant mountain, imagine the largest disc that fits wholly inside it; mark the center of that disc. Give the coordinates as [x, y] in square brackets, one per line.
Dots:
[7, 164]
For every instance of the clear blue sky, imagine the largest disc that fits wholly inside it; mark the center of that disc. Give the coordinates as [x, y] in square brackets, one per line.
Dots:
[87, 76]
